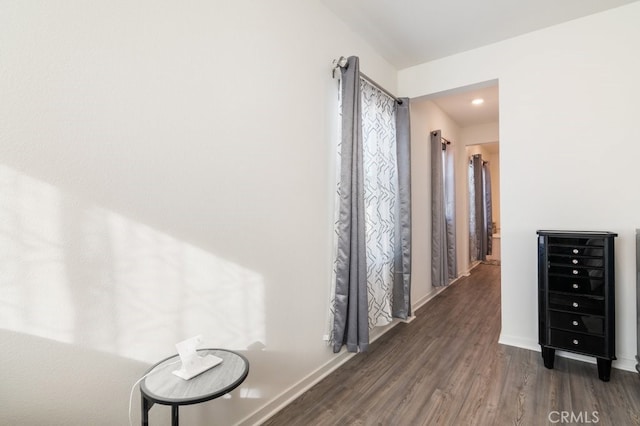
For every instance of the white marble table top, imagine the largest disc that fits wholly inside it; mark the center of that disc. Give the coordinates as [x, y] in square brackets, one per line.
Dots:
[163, 387]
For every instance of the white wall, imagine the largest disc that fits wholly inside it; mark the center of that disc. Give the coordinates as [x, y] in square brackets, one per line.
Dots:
[480, 133]
[475, 137]
[165, 170]
[568, 149]
[492, 156]
[425, 118]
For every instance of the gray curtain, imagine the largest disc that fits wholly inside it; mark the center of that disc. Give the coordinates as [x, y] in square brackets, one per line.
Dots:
[350, 316]
[479, 229]
[350, 324]
[402, 272]
[443, 230]
[486, 175]
[481, 221]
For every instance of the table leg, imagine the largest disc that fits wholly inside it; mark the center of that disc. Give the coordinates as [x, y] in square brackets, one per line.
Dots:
[174, 415]
[146, 406]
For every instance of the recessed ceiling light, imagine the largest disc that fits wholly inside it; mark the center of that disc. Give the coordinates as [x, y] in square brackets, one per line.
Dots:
[478, 101]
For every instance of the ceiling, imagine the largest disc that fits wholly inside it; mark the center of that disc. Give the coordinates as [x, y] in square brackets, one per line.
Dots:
[411, 32]
[458, 106]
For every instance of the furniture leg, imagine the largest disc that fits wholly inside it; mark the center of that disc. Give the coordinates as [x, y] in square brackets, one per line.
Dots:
[174, 415]
[146, 406]
[549, 356]
[604, 369]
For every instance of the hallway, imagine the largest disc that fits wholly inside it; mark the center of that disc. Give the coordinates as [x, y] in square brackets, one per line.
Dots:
[446, 367]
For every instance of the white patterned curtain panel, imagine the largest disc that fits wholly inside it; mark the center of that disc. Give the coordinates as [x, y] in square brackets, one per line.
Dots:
[372, 250]
[380, 197]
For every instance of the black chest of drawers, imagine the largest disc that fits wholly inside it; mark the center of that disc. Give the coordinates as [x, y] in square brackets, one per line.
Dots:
[576, 296]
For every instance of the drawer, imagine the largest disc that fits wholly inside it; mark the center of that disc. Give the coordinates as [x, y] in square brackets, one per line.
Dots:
[580, 304]
[577, 322]
[593, 287]
[577, 261]
[592, 345]
[576, 246]
[575, 271]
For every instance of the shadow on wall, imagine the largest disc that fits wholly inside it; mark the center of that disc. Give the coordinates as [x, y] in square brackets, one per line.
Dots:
[79, 274]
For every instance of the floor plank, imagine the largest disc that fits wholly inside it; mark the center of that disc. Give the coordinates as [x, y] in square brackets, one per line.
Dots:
[446, 368]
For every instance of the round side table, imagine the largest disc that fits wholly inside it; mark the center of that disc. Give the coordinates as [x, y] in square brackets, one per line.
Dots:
[161, 386]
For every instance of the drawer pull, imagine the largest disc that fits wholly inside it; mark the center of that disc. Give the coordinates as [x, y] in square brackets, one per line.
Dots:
[575, 272]
[575, 304]
[575, 251]
[575, 323]
[575, 285]
[575, 261]
[575, 341]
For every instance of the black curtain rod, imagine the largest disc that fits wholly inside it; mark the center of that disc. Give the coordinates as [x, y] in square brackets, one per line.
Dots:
[342, 62]
[446, 141]
[377, 86]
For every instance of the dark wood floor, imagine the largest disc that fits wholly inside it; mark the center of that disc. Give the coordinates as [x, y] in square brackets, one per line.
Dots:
[446, 368]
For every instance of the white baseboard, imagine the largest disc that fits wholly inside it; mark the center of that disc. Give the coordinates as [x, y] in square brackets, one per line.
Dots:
[622, 363]
[426, 298]
[289, 395]
[437, 290]
[409, 319]
[519, 342]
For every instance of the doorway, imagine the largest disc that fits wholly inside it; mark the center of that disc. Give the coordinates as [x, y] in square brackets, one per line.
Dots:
[470, 128]
[465, 126]
[484, 202]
